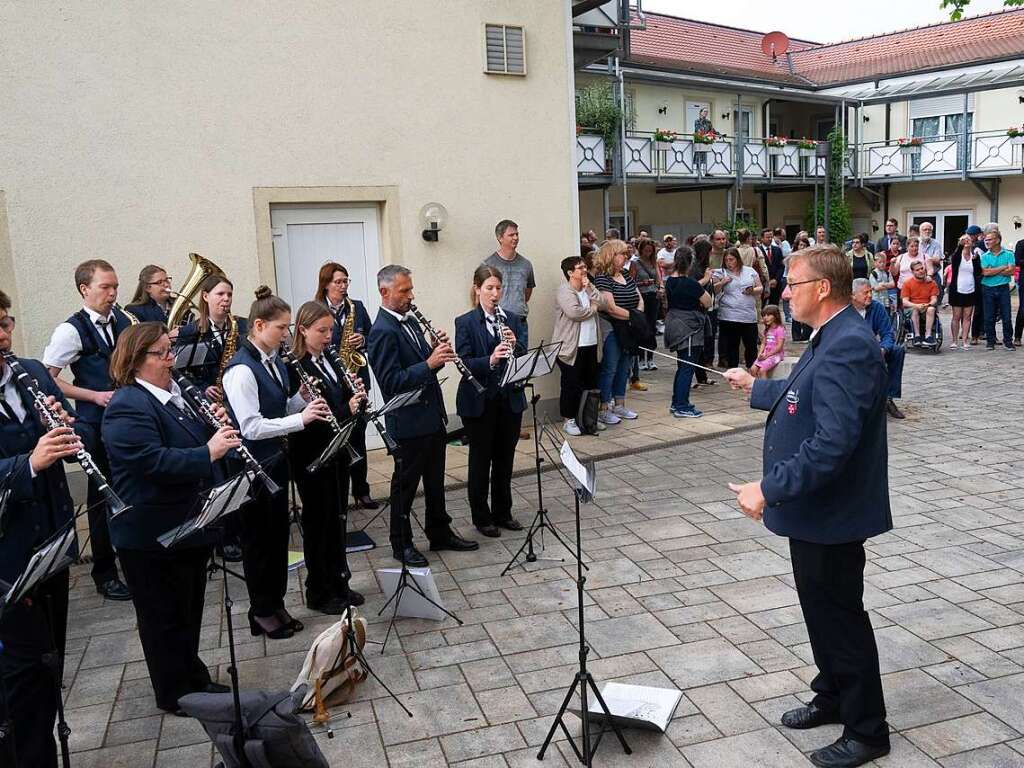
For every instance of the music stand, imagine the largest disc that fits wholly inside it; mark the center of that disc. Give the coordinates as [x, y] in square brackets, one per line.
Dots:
[337, 443]
[582, 480]
[539, 361]
[218, 502]
[49, 560]
[190, 355]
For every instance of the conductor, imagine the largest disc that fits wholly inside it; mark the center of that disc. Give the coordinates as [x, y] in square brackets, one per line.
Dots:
[825, 487]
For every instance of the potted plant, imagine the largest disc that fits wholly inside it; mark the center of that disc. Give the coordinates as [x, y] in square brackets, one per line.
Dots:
[806, 147]
[663, 139]
[702, 141]
[775, 144]
[911, 146]
[1016, 135]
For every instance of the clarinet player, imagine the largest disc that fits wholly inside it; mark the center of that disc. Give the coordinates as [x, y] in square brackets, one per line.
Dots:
[403, 361]
[162, 456]
[485, 338]
[39, 506]
[324, 493]
[266, 410]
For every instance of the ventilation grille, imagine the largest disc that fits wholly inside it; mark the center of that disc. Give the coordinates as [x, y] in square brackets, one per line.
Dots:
[506, 50]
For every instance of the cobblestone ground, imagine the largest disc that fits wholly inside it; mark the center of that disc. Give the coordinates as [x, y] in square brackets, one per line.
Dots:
[683, 591]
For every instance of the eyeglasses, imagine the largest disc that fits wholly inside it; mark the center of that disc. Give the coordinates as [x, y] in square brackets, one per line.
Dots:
[803, 282]
[7, 324]
[165, 281]
[164, 353]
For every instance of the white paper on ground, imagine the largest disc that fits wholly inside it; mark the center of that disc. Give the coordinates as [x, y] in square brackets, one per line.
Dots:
[411, 603]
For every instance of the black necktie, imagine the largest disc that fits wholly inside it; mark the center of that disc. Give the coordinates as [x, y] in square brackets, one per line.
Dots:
[6, 407]
[273, 372]
[417, 338]
[325, 369]
[105, 330]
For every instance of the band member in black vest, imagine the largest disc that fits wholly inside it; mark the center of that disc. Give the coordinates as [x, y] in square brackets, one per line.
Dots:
[404, 361]
[217, 328]
[162, 456]
[152, 299]
[324, 493]
[266, 410]
[332, 292]
[485, 338]
[39, 505]
[85, 341]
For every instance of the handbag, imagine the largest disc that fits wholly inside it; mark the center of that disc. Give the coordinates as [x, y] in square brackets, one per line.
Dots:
[330, 673]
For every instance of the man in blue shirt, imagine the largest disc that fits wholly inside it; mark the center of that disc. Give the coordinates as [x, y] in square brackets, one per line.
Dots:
[881, 327]
[997, 265]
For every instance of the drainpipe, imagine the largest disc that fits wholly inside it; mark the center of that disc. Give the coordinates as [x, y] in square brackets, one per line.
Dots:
[622, 149]
[963, 142]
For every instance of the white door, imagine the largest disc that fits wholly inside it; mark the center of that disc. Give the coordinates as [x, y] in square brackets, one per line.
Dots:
[308, 236]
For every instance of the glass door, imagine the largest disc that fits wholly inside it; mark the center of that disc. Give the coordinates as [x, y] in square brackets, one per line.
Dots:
[949, 225]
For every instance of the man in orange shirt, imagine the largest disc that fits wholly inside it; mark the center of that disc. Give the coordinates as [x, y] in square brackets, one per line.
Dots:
[921, 296]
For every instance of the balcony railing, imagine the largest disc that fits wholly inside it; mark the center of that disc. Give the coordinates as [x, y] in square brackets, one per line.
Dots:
[987, 151]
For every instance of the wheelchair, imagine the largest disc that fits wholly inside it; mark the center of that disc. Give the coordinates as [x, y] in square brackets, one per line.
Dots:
[902, 323]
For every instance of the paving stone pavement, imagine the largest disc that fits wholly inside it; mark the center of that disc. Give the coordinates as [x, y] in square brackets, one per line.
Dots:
[682, 591]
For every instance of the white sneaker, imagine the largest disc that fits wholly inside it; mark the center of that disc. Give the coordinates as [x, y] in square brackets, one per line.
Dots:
[623, 412]
[601, 427]
[652, 366]
[570, 428]
[608, 417]
[953, 346]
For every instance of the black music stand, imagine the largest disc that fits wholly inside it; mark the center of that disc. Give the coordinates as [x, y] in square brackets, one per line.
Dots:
[539, 361]
[218, 502]
[49, 560]
[582, 480]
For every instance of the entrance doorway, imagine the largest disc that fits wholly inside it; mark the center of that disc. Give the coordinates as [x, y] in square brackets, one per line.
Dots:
[949, 225]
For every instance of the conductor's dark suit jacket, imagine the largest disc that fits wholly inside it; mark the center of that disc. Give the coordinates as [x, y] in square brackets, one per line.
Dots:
[399, 363]
[825, 453]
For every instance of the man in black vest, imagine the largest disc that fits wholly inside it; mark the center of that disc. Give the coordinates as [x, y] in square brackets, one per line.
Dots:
[85, 342]
[403, 361]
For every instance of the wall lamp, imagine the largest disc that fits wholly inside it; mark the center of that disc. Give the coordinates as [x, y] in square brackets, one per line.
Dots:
[433, 217]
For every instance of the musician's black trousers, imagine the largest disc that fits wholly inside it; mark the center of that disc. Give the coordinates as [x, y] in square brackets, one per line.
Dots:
[104, 563]
[324, 497]
[168, 590]
[265, 526]
[492, 448]
[28, 698]
[830, 584]
[419, 457]
[357, 472]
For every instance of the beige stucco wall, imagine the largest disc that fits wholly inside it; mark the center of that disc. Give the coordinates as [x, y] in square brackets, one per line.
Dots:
[906, 199]
[139, 131]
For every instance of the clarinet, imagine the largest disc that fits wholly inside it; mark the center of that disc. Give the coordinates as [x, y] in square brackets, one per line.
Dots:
[313, 388]
[206, 409]
[51, 420]
[463, 368]
[364, 411]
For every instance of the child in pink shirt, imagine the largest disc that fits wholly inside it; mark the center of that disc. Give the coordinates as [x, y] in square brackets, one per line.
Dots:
[772, 350]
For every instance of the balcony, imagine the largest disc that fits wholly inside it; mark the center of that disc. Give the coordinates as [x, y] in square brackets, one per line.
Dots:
[990, 153]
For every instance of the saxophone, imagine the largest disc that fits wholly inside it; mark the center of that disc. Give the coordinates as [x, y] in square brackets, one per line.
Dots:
[229, 349]
[351, 358]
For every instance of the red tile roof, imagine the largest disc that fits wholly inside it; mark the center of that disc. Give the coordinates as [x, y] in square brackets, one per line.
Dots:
[713, 49]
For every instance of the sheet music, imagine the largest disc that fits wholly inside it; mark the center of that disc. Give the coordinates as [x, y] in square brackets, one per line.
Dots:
[191, 355]
[49, 559]
[400, 400]
[220, 500]
[582, 474]
[638, 706]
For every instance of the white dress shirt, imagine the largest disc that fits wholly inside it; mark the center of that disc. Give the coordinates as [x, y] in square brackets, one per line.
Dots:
[242, 391]
[166, 396]
[65, 345]
[408, 329]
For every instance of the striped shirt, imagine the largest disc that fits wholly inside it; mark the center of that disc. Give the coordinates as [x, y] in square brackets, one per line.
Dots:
[625, 295]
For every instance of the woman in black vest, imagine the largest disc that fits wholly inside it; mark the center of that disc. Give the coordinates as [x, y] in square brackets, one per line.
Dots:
[324, 493]
[266, 410]
[152, 299]
[162, 456]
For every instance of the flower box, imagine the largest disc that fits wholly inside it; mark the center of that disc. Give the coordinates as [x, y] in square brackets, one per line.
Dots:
[1017, 139]
[910, 149]
[807, 152]
[663, 146]
[775, 150]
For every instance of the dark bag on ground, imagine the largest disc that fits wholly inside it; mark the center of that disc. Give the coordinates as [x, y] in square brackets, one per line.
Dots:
[275, 736]
[590, 406]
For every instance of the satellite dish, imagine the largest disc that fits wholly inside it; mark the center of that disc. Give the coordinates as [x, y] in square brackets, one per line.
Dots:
[774, 44]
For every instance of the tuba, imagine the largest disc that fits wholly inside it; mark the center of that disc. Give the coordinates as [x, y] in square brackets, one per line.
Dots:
[185, 299]
[350, 357]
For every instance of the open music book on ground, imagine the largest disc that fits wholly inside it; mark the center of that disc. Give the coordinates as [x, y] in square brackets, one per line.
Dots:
[636, 706]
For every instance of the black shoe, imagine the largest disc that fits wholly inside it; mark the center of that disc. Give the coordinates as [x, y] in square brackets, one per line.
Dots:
[454, 542]
[333, 606]
[1010, 347]
[271, 626]
[114, 589]
[367, 502]
[847, 753]
[355, 599]
[488, 530]
[892, 409]
[990, 347]
[216, 688]
[413, 557]
[232, 553]
[810, 716]
[293, 624]
[176, 711]
[510, 525]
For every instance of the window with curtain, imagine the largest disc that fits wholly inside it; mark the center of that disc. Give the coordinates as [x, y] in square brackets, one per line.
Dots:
[944, 128]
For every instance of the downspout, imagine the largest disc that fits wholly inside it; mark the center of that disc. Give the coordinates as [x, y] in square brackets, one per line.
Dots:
[622, 149]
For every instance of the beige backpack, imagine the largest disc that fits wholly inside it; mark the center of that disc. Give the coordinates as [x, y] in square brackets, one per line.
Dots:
[330, 671]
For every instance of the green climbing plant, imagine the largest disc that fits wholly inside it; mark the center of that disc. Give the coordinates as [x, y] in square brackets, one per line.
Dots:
[839, 227]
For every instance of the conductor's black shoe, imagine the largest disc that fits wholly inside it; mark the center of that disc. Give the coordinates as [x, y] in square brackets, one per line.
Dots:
[212, 687]
[847, 753]
[355, 599]
[114, 589]
[510, 525]
[488, 530]
[367, 502]
[810, 716]
[232, 553]
[893, 410]
[413, 557]
[454, 542]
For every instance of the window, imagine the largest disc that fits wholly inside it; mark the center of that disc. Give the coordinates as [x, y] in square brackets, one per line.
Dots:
[944, 128]
[505, 50]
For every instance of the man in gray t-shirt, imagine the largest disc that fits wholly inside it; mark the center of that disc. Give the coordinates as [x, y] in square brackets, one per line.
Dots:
[517, 282]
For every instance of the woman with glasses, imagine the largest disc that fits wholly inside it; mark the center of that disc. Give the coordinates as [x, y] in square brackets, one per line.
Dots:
[162, 456]
[152, 299]
[576, 325]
